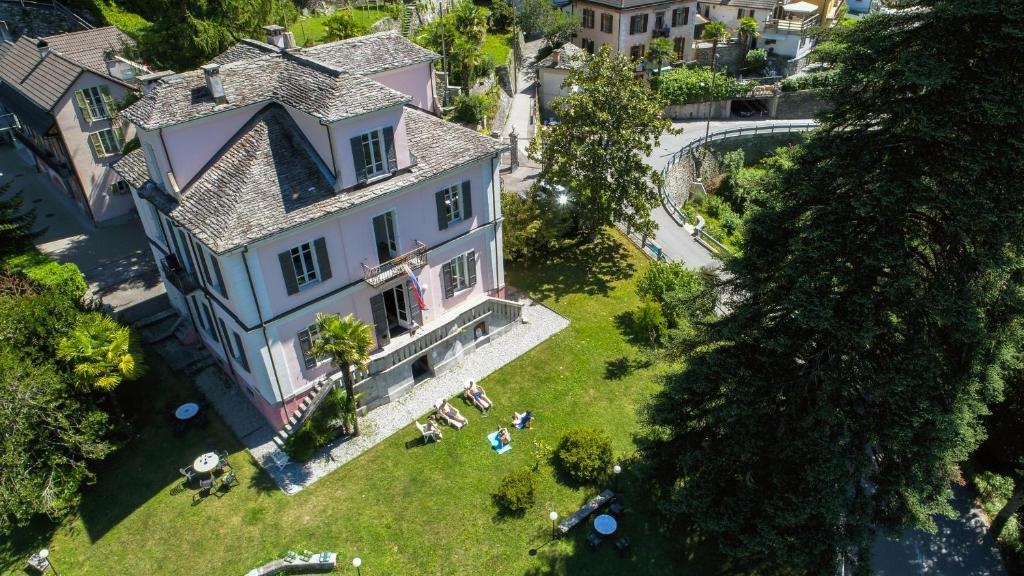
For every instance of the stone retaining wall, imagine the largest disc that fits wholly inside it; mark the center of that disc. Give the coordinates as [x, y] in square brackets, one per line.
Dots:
[799, 105]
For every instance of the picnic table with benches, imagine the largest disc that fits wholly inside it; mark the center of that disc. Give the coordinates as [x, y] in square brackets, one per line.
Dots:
[595, 504]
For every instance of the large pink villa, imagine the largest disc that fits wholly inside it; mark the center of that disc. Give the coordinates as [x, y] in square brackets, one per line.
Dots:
[276, 183]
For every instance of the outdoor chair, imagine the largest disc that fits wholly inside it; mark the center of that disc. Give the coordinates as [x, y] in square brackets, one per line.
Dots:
[188, 473]
[623, 546]
[229, 480]
[205, 488]
[594, 540]
[426, 435]
[453, 418]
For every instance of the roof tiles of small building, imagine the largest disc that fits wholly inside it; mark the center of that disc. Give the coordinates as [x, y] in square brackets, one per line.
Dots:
[371, 54]
[323, 92]
[268, 178]
[569, 56]
[244, 50]
[88, 47]
[132, 167]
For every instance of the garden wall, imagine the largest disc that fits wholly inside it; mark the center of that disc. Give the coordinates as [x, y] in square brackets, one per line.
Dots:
[799, 105]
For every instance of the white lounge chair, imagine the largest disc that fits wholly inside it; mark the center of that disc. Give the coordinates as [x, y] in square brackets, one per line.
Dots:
[457, 421]
[426, 434]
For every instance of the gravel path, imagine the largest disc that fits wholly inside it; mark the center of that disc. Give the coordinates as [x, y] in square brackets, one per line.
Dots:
[384, 421]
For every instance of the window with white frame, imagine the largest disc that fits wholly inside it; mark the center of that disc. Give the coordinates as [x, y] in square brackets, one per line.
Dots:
[374, 157]
[460, 273]
[306, 339]
[453, 203]
[304, 264]
[96, 105]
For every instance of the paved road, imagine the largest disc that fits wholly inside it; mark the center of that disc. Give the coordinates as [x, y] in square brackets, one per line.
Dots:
[115, 260]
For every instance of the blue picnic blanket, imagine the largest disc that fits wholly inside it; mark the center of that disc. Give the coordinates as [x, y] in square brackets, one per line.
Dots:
[493, 439]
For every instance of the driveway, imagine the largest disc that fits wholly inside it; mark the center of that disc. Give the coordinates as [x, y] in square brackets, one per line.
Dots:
[115, 260]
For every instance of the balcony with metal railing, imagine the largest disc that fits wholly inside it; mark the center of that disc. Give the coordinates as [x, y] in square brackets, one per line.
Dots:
[378, 275]
[662, 32]
[177, 275]
[792, 25]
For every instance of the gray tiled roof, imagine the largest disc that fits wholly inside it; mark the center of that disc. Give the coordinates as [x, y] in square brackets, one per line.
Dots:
[569, 57]
[244, 50]
[88, 46]
[322, 91]
[245, 193]
[371, 54]
[132, 167]
[762, 4]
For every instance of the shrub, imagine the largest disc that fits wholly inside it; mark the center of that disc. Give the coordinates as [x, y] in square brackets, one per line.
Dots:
[473, 108]
[790, 85]
[517, 492]
[755, 60]
[64, 279]
[686, 86]
[585, 454]
[321, 428]
[650, 323]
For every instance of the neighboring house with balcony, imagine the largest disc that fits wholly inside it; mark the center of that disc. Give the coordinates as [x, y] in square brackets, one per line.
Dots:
[788, 33]
[730, 12]
[275, 184]
[63, 92]
[628, 26]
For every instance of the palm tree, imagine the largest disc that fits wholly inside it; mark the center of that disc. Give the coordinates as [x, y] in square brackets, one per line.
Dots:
[747, 31]
[469, 57]
[715, 32]
[470, 21]
[659, 52]
[348, 342]
[102, 354]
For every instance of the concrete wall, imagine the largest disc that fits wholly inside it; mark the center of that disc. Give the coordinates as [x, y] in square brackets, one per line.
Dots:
[799, 105]
[551, 82]
[719, 109]
[95, 174]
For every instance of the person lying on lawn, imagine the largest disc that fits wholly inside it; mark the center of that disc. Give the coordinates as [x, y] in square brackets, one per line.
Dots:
[451, 414]
[524, 420]
[478, 397]
[503, 437]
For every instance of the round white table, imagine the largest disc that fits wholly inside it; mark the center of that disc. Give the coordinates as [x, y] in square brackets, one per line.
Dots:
[205, 463]
[605, 525]
[186, 411]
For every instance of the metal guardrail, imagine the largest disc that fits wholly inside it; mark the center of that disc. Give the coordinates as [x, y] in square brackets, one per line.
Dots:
[674, 209]
[377, 275]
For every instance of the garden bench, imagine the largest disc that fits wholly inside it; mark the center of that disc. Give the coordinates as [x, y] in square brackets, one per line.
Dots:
[318, 563]
[595, 504]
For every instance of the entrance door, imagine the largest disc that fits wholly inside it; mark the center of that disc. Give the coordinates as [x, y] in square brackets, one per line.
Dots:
[386, 236]
[396, 306]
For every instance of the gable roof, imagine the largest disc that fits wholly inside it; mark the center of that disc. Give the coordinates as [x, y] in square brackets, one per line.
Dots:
[132, 167]
[371, 54]
[244, 50]
[268, 178]
[570, 56]
[321, 91]
[88, 47]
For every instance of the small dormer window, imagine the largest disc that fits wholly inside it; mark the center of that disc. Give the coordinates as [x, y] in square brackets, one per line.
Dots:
[373, 153]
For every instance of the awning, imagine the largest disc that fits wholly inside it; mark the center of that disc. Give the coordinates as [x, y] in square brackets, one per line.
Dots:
[800, 8]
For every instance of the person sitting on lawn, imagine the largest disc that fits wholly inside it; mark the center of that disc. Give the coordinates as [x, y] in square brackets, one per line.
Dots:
[503, 437]
[451, 415]
[478, 397]
[433, 428]
[524, 420]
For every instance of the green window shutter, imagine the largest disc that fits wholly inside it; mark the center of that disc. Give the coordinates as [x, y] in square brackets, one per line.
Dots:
[446, 278]
[83, 106]
[97, 146]
[357, 159]
[471, 269]
[119, 136]
[442, 217]
[110, 107]
[322, 260]
[288, 272]
[389, 149]
[467, 201]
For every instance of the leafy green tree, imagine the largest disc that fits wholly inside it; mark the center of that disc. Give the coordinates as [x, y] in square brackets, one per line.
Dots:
[755, 60]
[715, 32]
[16, 223]
[659, 52]
[342, 26]
[598, 149]
[533, 15]
[559, 28]
[502, 15]
[871, 306]
[348, 342]
[48, 439]
[35, 325]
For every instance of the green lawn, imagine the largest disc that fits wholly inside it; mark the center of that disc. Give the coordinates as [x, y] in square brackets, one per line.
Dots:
[311, 28]
[404, 508]
[497, 46]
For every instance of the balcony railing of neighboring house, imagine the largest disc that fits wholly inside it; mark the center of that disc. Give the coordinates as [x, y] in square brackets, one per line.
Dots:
[9, 122]
[662, 32]
[377, 275]
[792, 26]
[177, 275]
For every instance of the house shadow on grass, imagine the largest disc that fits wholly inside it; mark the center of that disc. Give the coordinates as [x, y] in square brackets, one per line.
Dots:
[587, 268]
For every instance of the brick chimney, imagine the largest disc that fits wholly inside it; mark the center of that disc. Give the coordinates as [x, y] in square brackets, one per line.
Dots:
[214, 83]
[275, 35]
[43, 48]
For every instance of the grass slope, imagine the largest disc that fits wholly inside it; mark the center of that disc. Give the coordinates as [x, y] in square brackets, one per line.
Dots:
[309, 30]
[403, 507]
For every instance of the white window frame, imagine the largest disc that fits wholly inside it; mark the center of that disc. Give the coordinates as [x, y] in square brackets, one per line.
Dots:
[375, 158]
[460, 273]
[94, 100]
[307, 273]
[109, 148]
[453, 204]
[313, 333]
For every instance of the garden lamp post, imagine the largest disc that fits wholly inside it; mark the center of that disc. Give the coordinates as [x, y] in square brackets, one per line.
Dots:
[554, 517]
[357, 562]
[44, 555]
[616, 470]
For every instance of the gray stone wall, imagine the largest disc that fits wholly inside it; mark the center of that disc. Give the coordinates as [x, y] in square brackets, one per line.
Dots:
[699, 110]
[730, 55]
[799, 105]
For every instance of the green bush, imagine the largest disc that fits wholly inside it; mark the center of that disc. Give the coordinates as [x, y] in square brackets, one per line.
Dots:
[650, 323]
[755, 60]
[993, 491]
[320, 429]
[64, 279]
[790, 85]
[585, 454]
[473, 108]
[689, 85]
[517, 492]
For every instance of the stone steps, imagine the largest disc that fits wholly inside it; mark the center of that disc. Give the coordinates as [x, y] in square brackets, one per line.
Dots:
[305, 409]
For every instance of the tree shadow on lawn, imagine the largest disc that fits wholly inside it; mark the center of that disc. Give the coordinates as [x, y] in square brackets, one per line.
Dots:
[623, 366]
[15, 548]
[589, 269]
